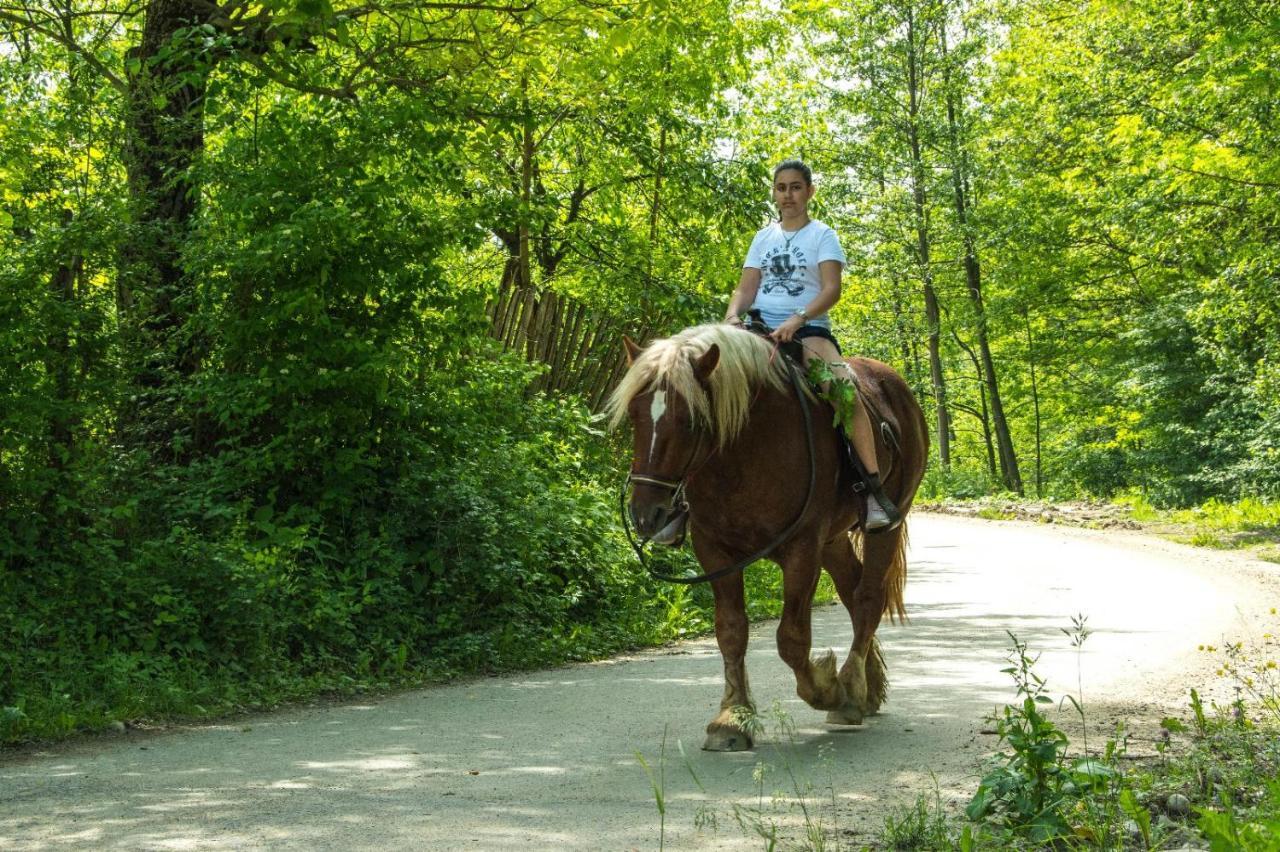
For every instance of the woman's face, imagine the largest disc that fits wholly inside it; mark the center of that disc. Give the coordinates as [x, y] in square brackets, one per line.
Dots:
[791, 193]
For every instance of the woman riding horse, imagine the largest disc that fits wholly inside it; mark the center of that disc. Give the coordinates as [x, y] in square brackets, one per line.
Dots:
[715, 420]
[792, 276]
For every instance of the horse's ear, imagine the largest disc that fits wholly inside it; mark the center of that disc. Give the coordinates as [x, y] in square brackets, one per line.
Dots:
[703, 367]
[633, 350]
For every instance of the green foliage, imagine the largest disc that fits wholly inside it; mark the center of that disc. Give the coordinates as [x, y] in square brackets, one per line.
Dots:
[302, 463]
[840, 392]
[964, 483]
[1229, 770]
[353, 486]
[1034, 790]
[1245, 523]
[1030, 790]
[1241, 516]
[923, 825]
[1217, 787]
[1227, 831]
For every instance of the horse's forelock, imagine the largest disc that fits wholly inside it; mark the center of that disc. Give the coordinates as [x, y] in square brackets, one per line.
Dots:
[744, 362]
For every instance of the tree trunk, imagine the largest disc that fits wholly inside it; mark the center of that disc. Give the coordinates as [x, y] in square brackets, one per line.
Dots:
[59, 367]
[58, 364]
[1035, 406]
[654, 208]
[919, 195]
[163, 144]
[528, 323]
[984, 415]
[1009, 473]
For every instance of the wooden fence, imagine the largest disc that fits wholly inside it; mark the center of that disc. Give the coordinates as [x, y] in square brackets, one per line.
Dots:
[582, 348]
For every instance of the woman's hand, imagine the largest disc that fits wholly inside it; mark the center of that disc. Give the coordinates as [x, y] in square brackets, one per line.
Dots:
[787, 330]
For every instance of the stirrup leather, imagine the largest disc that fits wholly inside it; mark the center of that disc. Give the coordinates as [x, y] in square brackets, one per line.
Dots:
[868, 486]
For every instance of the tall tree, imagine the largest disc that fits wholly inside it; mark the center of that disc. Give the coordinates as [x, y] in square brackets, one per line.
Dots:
[955, 71]
[889, 59]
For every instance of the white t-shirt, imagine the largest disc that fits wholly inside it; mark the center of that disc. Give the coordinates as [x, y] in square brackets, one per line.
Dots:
[788, 264]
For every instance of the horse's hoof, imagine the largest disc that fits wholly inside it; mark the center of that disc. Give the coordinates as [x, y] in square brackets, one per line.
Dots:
[824, 690]
[845, 716]
[725, 739]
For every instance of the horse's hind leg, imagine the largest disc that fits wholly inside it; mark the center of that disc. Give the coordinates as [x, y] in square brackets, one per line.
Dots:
[842, 563]
[868, 588]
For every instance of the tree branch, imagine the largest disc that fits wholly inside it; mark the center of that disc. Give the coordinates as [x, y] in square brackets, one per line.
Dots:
[1241, 181]
[70, 44]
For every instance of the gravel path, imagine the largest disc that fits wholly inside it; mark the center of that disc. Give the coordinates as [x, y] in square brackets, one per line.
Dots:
[548, 760]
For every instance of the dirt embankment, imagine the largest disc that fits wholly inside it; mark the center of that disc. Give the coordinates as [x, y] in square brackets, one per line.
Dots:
[1099, 515]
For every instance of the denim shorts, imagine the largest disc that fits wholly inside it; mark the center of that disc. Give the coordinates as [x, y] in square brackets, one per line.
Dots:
[817, 331]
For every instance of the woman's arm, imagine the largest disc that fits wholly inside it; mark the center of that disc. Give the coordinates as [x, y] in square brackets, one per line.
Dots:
[744, 296]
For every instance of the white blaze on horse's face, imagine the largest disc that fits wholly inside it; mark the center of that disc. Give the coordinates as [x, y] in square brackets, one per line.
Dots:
[657, 408]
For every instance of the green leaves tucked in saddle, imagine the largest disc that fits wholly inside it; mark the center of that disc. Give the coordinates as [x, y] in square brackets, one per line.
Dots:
[840, 392]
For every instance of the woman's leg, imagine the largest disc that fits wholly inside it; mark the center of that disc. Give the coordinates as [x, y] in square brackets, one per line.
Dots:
[863, 442]
[881, 513]
[860, 434]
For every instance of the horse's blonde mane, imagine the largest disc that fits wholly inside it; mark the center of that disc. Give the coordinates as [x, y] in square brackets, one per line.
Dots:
[744, 362]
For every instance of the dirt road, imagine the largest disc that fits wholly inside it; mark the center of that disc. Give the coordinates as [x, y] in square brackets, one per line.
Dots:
[548, 760]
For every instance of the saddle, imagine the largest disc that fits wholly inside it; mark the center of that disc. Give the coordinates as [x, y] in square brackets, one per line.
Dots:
[794, 350]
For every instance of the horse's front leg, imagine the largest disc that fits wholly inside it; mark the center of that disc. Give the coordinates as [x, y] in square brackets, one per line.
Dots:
[729, 730]
[816, 680]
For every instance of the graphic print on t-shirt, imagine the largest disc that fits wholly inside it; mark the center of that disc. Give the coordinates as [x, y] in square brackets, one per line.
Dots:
[784, 269]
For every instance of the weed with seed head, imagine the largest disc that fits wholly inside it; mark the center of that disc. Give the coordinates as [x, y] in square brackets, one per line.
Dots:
[658, 784]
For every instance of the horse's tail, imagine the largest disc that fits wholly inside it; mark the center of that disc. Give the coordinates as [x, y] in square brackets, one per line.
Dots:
[895, 579]
[895, 574]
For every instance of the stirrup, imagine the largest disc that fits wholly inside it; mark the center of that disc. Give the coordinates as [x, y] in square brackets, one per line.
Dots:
[875, 496]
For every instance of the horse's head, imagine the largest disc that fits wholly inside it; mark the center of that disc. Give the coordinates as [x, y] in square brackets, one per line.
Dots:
[686, 396]
[669, 444]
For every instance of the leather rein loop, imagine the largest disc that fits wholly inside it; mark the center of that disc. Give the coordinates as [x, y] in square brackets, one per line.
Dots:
[677, 488]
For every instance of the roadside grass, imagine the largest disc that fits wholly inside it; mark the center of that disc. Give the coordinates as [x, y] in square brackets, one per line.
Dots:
[1212, 784]
[119, 690]
[797, 812]
[788, 810]
[1246, 524]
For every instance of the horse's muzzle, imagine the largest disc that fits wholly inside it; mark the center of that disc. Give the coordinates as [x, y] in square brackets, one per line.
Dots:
[649, 520]
[660, 523]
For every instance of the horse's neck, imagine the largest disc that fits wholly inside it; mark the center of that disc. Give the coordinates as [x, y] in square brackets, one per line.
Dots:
[772, 441]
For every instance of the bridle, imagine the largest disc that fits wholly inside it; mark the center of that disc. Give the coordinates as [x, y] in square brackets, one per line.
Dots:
[677, 499]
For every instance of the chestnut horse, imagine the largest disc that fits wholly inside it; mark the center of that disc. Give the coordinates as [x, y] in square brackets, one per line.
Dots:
[712, 408]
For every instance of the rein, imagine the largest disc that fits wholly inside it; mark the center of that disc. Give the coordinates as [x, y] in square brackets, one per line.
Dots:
[677, 488]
